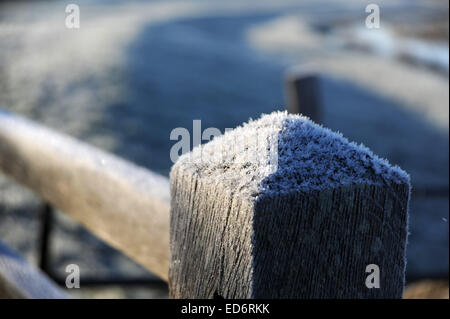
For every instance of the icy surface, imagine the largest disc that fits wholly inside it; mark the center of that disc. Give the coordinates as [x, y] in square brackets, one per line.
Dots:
[309, 157]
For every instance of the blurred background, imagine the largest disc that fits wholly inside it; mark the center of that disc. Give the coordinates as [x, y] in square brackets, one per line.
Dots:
[135, 70]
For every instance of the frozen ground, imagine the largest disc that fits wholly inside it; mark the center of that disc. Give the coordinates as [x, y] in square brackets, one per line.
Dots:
[133, 73]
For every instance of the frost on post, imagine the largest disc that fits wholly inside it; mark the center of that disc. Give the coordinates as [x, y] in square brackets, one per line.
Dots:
[303, 226]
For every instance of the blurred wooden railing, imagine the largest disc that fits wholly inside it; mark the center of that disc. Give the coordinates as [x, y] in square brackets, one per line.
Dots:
[125, 205]
[19, 279]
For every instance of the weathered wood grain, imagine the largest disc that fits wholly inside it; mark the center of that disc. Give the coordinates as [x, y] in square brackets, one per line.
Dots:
[125, 205]
[302, 93]
[307, 229]
[18, 279]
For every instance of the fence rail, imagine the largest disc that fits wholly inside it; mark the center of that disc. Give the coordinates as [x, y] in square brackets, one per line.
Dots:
[18, 279]
[125, 205]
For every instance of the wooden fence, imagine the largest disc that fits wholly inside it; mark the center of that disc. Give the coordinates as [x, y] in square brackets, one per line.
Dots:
[125, 205]
[318, 223]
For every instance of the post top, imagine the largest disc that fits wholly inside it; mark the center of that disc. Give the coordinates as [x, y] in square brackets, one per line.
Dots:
[285, 153]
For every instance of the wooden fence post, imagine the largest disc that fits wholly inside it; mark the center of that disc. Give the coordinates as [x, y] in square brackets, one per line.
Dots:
[308, 224]
[303, 93]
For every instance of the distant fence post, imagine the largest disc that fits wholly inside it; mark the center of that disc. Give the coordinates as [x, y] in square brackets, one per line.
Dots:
[313, 225]
[302, 93]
